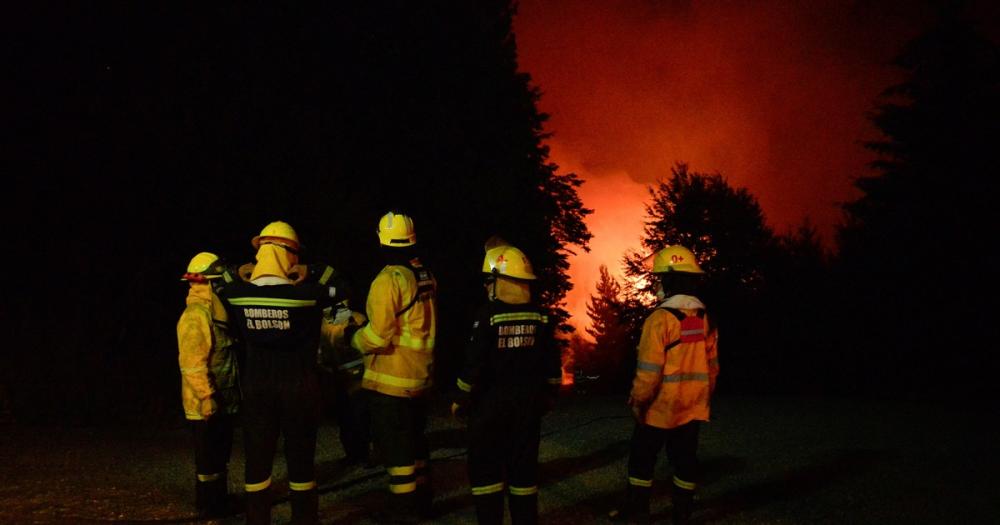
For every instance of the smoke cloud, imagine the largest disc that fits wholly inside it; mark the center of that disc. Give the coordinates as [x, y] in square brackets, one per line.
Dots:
[773, 95]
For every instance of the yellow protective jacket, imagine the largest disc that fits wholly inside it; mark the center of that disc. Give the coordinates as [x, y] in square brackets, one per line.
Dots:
[336, 355]
[398, 341]
[677, 365]
[206, 354]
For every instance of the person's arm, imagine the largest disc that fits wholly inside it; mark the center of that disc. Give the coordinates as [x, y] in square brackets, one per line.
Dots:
[475, 361]
[383, 302]
[651, 358]
[194, 342]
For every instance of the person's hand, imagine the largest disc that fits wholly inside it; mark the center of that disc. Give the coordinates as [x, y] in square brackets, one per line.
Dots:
[207, 408]
[638, 413]
[459, 412]
[638, 410]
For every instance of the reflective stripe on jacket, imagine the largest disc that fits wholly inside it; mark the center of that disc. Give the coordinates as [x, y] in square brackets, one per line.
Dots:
[677, 365]
[205, 354]
[398, 341]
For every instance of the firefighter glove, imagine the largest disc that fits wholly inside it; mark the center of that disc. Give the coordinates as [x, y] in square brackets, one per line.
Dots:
[207, 407]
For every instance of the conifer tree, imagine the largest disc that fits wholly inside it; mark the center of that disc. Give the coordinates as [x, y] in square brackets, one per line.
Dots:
[911, 247]
[607, 324]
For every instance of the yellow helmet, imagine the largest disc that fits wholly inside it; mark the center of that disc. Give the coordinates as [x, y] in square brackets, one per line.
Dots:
[396, 230]
[280, 233]
[205, 265]
[675, 258]
[508, 261]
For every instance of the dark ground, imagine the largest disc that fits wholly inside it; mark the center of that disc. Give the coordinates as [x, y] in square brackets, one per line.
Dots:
[766, 460]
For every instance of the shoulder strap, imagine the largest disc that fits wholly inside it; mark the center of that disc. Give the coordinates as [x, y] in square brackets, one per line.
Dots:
[680, 317]
[677, 313]
[425, 287]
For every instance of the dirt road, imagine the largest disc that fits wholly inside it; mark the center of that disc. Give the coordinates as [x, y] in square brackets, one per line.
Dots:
[767, 460]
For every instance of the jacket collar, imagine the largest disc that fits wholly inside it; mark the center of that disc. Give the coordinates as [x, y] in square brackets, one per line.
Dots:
[686, 302]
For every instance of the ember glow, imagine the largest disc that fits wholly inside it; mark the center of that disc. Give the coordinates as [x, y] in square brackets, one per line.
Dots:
[771, 95]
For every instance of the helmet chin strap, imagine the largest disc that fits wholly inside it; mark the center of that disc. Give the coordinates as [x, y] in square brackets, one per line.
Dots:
[492, 281]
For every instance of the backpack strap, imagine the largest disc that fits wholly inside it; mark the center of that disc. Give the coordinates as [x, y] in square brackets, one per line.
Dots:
[425, 287]
[692, 328]
[677, 313]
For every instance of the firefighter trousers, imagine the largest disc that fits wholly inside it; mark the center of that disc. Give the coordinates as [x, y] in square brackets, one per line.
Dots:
[681, 444]
[398, 432]
[213, 444]
[350, 410]
[291, 410]
[504, 435]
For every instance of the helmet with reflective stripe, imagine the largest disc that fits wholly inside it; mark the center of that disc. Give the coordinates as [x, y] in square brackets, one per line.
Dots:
[396, 230]
[508, 261]
[205, 265]
[280, 233]
[675, 258]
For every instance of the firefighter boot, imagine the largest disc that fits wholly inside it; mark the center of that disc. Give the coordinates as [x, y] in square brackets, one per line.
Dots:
[635, 509]
[200, 497]
[217, 497]
[305, 506]
[683, 504]
[523, 509]
[489, 508]
[259, 507]
[425, 494]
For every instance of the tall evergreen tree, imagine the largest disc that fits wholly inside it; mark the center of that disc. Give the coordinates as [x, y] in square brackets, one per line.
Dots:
[607, 325]
[912, 244]
[935, 184]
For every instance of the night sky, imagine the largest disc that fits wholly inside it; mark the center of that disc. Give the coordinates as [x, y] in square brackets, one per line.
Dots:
[773, 95]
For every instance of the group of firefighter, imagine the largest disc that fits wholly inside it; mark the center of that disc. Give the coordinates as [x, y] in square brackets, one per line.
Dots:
[291, 321]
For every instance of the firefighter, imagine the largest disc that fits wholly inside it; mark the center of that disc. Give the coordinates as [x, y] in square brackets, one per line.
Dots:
[510, 378]
[279, 314]
[398, 343]
[675, 376]
[209, 389]
[343, 368]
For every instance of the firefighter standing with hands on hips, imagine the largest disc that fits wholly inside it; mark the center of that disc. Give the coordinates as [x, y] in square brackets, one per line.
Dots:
[398, 344]
[279, 312]
[209, 389]
[510, 378]
[675, 376]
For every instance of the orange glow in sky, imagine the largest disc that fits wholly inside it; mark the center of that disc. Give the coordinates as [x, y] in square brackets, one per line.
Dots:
[772, 95]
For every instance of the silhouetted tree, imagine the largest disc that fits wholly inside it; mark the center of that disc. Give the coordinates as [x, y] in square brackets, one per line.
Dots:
[173, 134]
[725, 228]
[722, 225]
[607, 327]
[912, 244]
